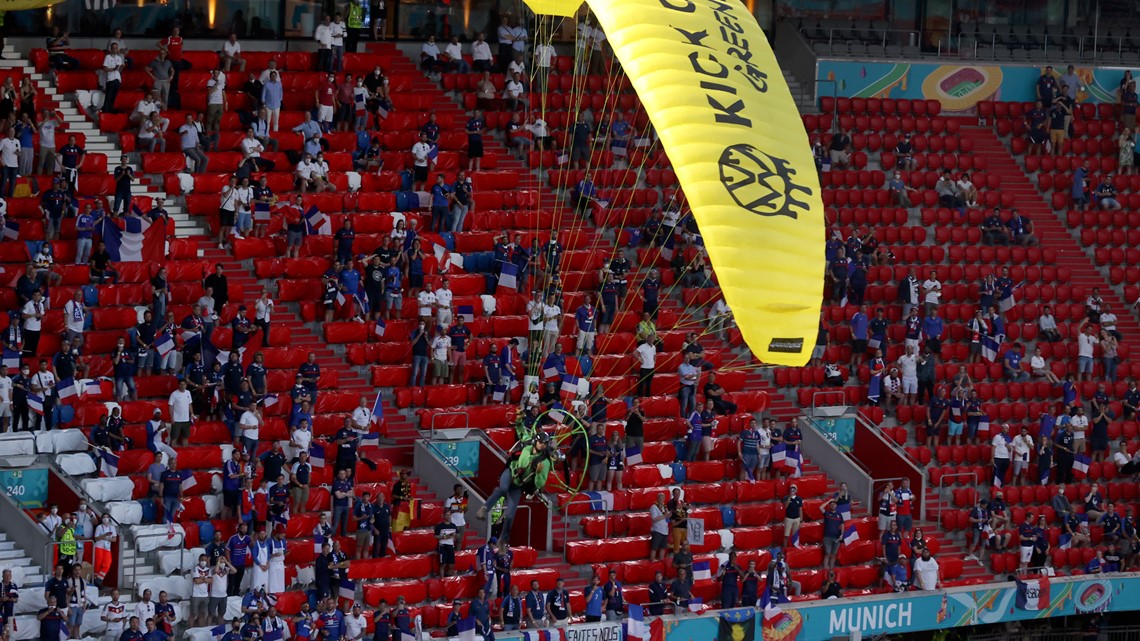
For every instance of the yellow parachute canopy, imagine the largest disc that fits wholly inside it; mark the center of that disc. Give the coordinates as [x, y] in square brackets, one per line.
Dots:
[710, 83]
[20, 5]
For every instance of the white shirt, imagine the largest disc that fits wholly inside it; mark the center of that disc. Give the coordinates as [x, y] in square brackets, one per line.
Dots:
[323, 35]
[544, 54]
[103, 530]
[538, 128]
[305, 169]
[362, 417]
[647, 354]
[1047, 322]
[1036, 362]
[5, 390]
[146, 107]
[180, 406]
[514, 89]
[116, 611]
[585, 35]
[303, 438]
[338, 30]
[45, 380]
[454, 51]
[553, 316]
[1022, 446]
[1078, 424]
[32, 307]
[114, 62]
[263, 309]
[1085, 345]
[216, 90]
[420, 152]
[74, 313]
[933, 291]
[251, 147]
[908, 363]
[1001, 448]
[218, 583]
[439, 347]
[242, 195]
[10, 152]
[431, 50]
[926, 573]
[251, 427]
[426, 300]
[231, 49]
[534, 314]
[765, 438]
[660, 527]
[1108, 321]
[1120, 459]
[515, 67]
[480, 50]
[443, 298]
[354, 626]
[199, 590]
[47, 133]
[455, 516]
[144, 610]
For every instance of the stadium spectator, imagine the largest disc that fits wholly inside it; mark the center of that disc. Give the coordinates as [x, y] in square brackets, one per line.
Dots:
[1106, 194]
[190, 139]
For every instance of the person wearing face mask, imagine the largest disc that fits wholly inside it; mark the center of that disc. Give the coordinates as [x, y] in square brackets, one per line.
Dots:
[105, 534]
[200, 578]
[85, 519]
[68, 547]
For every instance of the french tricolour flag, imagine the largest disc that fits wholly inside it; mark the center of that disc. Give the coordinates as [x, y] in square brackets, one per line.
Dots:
[600, 501]
[793, 461]
[850, 535]
[317, 223]
[990, 348]
[378, 410]
[380, 328]
[11, 230]
[317, 455]
[556, 634]
[11, 358]
[779, 453]
[635, 627]
[498, 393]
[633, 455]
[845, 511]
[188, 481]
[347, 589]
[261, 212]
[702, 571]
[984, 424]
[138, 241]
[1033, 594]
[67, 390]
[1065, 541]
[770, 605]
[274, 635]
[318, 542]
[164, 344]
[218, 631]
[109, 463]
[1008, 302]
[509, 277]
[466, 312]
[570, 384]
[1080, 464]
[698, 606]
[37, 405]
[269, 400]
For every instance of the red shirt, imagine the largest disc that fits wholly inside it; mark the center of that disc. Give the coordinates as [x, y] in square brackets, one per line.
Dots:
[173, 47]
[325, 92]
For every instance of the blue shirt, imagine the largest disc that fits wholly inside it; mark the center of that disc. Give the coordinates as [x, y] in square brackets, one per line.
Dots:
[493, 368]
[586, 317]
[891, 543]
[932, 326]
[84, 225]
[832, 524]
[859, 326]
[459, 335]
[474, 126]
[350, 280]
[439, 194]
[341, 485]
[1013, 360]
[239, 549]
[594, 601]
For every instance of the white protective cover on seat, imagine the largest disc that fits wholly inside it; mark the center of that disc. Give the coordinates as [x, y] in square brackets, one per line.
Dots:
[153, 537]
[57, 441]
[126, 512]
[105, 490]
[21, 444]
[180, 560]
[76, 464]
[176, 587]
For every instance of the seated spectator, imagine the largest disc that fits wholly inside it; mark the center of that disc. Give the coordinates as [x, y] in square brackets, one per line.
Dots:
[152, 133]
[967, 190]
[1108, 322]
[453, 57]
[308, 176]
[253, 88]
[1131, 401]
[1040, 367]
[150, 103]
[514, 93]
[192, 145]
[1106, 194]
[1021, 230]
[485, 93]
[948, 194]
[1126, 464]
[231, 54]
[100, 267]
[430, 57]
[57, 46]
[900, 192]
[251, 149]
[1011, 368]
[904, 152]
[1048, 326]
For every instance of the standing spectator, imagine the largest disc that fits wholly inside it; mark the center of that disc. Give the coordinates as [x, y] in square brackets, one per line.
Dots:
[446, 534]
[536, 610]
[113, 65]
[932, 292]
[926, 572]
[9, 163]
[832, 533]
[793, 517]
[322, 33]
[558, 608]
[1022, 446]
[1001, 455]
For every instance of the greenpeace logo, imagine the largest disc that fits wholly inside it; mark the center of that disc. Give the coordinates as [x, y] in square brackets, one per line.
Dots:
[786, 345]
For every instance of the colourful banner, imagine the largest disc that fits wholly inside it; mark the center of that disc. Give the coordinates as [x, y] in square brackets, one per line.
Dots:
[28, 488]
[959, 87]
[462, 456]
[919, 611]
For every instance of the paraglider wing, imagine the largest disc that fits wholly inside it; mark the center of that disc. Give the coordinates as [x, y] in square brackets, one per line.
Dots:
[716, 96]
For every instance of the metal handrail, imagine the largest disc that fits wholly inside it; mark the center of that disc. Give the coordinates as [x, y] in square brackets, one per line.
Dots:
[942, 484]
[466, 421]
[817, 396]
[580, 498]
[915, 34]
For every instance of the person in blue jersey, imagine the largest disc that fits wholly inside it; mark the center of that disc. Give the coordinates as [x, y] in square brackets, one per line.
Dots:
[595, 600]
